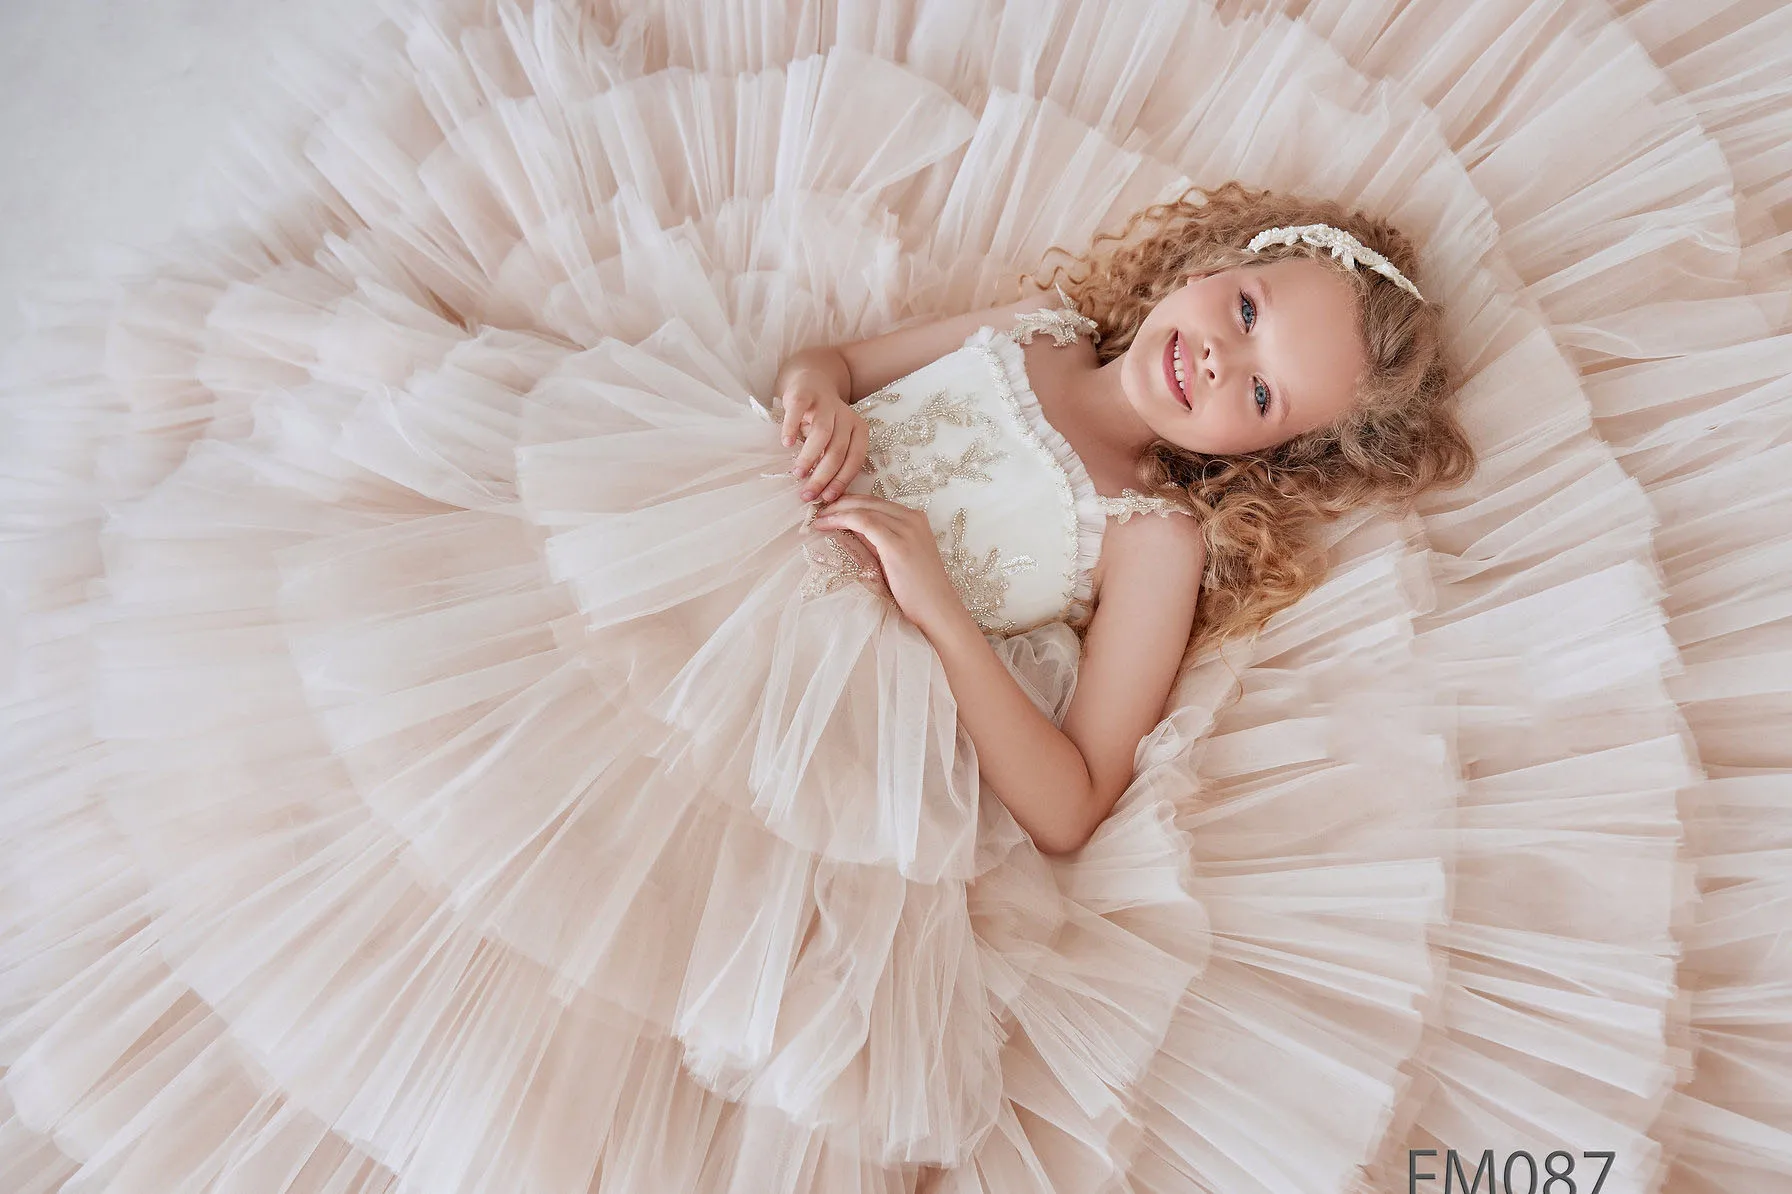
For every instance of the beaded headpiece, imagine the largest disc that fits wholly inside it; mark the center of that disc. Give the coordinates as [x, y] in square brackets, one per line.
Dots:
[1343, 246]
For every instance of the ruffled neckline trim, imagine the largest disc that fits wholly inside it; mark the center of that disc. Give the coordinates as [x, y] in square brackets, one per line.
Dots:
[1085, 516]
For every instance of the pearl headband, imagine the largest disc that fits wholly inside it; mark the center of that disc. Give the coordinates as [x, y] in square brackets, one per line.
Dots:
[1343, 246]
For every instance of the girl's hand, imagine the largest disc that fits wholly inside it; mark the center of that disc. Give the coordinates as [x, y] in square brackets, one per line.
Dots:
[835, 437]
[907, 553]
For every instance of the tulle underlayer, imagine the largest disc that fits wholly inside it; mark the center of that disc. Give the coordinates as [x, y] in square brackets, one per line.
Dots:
[424, 770]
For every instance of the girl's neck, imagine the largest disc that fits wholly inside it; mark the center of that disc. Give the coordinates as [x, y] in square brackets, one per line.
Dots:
[1109, 434]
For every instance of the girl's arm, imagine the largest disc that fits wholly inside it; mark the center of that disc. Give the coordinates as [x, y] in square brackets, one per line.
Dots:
[1060, 783]
[860, 367]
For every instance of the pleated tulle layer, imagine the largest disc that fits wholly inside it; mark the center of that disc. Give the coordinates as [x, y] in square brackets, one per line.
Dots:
[423, 772]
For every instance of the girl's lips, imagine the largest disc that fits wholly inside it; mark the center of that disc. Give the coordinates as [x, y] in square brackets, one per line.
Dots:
[1170, 371]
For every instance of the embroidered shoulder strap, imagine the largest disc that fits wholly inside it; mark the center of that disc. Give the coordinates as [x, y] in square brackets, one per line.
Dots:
[1131, 502]
[1062, 324]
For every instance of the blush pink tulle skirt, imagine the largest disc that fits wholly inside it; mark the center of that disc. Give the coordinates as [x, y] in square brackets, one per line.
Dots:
[421, 769]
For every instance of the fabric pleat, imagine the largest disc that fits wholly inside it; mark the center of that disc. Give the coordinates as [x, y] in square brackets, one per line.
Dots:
[422, 772]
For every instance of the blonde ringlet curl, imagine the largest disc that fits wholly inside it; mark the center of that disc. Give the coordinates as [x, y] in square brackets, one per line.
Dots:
[1261, 512]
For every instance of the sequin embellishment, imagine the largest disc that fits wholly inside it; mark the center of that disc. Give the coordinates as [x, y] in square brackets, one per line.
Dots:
[1131, 502]
[1062, 324]
[902, 474]
[981, 581]
[834, 565]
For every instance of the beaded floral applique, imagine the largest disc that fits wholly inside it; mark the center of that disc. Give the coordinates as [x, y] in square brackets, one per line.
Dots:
[1063, 324]
[835, 564]
[1131, 502]
[982, 582]
[903, 474]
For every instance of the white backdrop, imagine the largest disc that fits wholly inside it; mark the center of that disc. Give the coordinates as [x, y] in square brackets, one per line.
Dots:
[110, 111]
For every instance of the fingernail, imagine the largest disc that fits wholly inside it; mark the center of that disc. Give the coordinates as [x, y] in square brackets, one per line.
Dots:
[808, 495]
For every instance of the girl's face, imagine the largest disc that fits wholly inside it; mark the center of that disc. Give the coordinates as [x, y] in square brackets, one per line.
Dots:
[1266, 352]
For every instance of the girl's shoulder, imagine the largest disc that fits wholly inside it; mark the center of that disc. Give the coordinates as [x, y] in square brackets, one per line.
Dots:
[1139, 631]
[1147, 542]
[1139, 527]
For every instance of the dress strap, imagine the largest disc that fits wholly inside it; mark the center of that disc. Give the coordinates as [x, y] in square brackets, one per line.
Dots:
[1063, 324]
[1131, 502]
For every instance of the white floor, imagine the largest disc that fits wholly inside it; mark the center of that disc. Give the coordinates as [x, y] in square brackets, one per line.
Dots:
[111, 112]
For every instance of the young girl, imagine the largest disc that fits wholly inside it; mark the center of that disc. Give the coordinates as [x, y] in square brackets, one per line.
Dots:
[849, 712]
[1255, 362]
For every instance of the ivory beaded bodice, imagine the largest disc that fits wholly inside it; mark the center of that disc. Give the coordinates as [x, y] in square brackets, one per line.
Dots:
[1017, 519]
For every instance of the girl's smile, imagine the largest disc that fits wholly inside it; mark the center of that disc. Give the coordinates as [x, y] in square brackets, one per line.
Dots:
[1176, 370]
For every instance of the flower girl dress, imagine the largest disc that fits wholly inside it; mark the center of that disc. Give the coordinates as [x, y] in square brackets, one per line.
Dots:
[437, 756]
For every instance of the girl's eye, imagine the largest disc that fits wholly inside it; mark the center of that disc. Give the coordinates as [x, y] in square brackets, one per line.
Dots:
[1248, 310]
[1260, 394]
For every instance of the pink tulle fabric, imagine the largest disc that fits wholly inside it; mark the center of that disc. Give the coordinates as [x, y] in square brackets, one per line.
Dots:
[417, 775]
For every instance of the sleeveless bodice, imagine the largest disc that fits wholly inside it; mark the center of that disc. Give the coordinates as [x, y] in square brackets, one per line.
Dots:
[1017, 519]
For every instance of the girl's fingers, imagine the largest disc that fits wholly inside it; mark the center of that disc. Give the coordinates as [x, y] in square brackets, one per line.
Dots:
[815, 441]
[856, 501]
[795, 407]
[894, 512]
[858, 513]
[828, 467]
[861, 448]
[864, 523]
[851, 465]
[887, 530]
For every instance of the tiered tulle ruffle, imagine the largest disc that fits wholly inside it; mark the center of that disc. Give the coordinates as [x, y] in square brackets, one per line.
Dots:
[371, 824]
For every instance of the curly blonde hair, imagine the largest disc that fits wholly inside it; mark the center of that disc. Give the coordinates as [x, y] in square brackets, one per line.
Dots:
[1261, 512]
